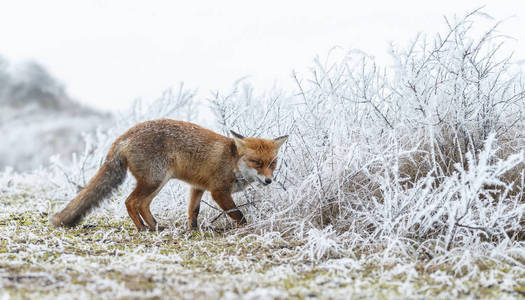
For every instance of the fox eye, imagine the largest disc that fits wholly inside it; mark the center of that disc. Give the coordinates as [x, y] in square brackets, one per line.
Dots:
[272, 164]
[257, 163]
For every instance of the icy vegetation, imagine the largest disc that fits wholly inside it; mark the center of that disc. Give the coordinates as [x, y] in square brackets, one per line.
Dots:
[38, 118]
[400, 182]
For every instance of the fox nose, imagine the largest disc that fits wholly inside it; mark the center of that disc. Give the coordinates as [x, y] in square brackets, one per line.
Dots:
[268, 180]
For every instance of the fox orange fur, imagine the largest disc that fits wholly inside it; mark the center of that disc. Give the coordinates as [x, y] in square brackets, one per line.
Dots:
[157, 151]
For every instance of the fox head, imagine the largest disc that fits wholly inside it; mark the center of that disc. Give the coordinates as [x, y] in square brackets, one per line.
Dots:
[258, 157]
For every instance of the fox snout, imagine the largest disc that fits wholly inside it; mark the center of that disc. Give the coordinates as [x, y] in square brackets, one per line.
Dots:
[265, 179]
[265, 175]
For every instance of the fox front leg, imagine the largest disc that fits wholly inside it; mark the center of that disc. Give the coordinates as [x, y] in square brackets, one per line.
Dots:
[194, 207]
[225, 201]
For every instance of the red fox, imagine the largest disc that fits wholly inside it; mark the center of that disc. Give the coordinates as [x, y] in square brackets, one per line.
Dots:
[157, 151]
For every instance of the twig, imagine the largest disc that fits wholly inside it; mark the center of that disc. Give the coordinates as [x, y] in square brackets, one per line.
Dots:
[473, 227]
[210, 205]
[17, 278]
[224, 212]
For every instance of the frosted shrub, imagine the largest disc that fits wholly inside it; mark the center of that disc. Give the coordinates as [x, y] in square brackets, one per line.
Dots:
[457, 88]
[470, 205]
[425, 156]
[321, 243]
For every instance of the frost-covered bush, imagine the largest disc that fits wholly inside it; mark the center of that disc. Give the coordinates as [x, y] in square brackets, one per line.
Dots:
[455, 89]
[421, 158]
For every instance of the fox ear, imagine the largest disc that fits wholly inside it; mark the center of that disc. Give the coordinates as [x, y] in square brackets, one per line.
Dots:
[238, 139]
[236, 135]
[278, 142]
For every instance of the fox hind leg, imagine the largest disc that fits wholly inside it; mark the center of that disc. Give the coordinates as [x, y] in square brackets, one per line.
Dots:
[138, 203]
[144, 210]
[132, 204]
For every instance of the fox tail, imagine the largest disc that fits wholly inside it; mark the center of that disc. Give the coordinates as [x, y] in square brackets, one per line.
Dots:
[110, 175]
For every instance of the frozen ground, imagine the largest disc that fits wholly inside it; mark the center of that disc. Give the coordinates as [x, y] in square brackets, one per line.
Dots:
[106, 258]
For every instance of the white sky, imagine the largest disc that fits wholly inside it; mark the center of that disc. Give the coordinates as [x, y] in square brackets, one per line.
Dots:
[109, 53]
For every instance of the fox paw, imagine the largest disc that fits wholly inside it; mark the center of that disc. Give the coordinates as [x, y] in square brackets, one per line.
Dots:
[157, 228]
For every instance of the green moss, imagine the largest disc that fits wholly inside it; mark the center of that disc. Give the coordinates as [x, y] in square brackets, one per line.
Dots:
[75, 281]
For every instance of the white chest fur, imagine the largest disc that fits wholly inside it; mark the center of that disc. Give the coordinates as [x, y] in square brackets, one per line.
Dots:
[244, 176]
